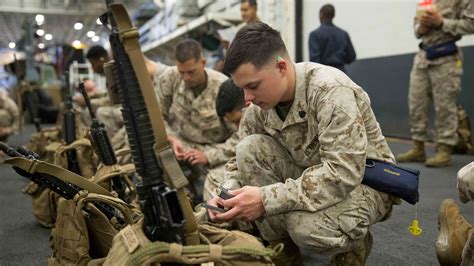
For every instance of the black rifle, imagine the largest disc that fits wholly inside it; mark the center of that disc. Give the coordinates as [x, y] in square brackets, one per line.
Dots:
[29, 98]
[63, 189]
[163, 215]
[69, 126]
[103, 145]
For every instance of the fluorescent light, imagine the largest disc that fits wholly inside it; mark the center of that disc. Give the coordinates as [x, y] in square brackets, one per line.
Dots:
[39, 19]
[41, 45]
[11, 45]
[78, 26]
[40, 32]
[76, 44]
[48, 37]
[95, 38]
[98, 21]
[90, 34]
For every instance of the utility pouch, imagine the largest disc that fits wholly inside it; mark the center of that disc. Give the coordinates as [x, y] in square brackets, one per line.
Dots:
[440, 50]
[392, 179]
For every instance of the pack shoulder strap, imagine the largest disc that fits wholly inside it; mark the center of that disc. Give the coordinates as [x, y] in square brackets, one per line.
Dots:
[36, 166]
[129, 38]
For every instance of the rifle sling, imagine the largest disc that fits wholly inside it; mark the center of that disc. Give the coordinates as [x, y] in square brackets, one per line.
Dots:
[129, 38]
[35, 166]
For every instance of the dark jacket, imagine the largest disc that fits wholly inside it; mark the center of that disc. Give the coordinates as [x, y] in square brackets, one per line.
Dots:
[331, 45]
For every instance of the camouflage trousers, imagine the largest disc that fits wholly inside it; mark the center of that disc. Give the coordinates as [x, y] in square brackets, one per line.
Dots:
[336, 229]
[112, 118]
[440, 85]
[214, 178]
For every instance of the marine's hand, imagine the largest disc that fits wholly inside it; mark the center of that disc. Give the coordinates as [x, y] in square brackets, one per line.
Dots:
[432, 19]
[422, 29]
[194, 156]
[177, 147]
[246, 205]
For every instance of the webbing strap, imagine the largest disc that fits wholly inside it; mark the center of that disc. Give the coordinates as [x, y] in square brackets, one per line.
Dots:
[36, 166]
[129, 38]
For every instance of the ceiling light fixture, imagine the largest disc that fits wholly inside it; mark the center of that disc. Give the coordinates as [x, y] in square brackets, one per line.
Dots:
[40, 32]
[11, 45]
[76, 44]
[98, 21]
[95, 38]
[90, 34]
[39, 19]
[41, 45]
[48, 36]
[78, 26]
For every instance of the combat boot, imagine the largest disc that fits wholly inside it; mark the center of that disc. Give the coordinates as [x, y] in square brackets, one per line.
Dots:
[453, 233]
[415, 154]
[289, 256]
[356, 257]
[441, 158]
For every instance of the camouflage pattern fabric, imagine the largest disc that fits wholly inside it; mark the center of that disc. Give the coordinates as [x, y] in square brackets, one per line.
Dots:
[466, 194]
[310, 166]
[112, 118]
[439, 80]
[194, 119]
[9, 113]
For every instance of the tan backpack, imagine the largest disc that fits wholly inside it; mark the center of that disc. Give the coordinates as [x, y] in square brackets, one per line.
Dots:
[83, 234]
[221, 247]
[86, 158]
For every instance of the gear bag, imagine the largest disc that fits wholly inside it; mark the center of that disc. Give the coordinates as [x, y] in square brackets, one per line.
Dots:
[220, 246]
[464, 133]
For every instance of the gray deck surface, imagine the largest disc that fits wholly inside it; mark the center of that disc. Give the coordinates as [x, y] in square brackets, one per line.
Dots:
[24, 242]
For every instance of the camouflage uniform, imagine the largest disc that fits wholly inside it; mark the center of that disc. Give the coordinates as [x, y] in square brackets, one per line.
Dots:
[439, 80]
[310, 166]
[112, 118]
[466, 194]
[194, 120]
[9, 113]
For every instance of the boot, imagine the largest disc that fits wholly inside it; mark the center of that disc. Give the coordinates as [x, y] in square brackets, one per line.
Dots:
[289, 256]
[441, 158]
[415, 154]
[356, 257]
[453, 233]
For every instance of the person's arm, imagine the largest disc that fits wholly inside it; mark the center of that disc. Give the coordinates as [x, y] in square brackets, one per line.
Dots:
[314, 49]
[343, 143]
[164, 88]
[350, 54]
[219, 153]
[465, 24]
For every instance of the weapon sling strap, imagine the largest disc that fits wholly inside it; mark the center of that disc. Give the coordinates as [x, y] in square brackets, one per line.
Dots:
[129, 38]
[33, 166]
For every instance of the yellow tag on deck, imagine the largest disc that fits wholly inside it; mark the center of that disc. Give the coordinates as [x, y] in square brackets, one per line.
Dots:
[415, 228]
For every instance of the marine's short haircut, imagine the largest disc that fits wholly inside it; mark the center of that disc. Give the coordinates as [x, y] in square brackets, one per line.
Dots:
[256, 43]
[188, 49]
[229, 98]
[96, 52]
[251, 2]
[327, 11]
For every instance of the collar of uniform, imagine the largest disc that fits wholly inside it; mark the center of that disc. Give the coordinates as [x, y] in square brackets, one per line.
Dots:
[189, 93]
[299, 109]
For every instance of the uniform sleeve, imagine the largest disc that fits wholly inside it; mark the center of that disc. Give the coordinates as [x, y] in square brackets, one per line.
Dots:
[350, 54]
[251, 123]
[164, 88]
[343, 143]
[465, 24]
[220, 153]
[466, 183]
[314, 49]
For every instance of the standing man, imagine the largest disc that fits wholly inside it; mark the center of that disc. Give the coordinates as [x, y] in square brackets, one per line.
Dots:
[329, 44]
[301, 158]
[436, 78]
[187, 95]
